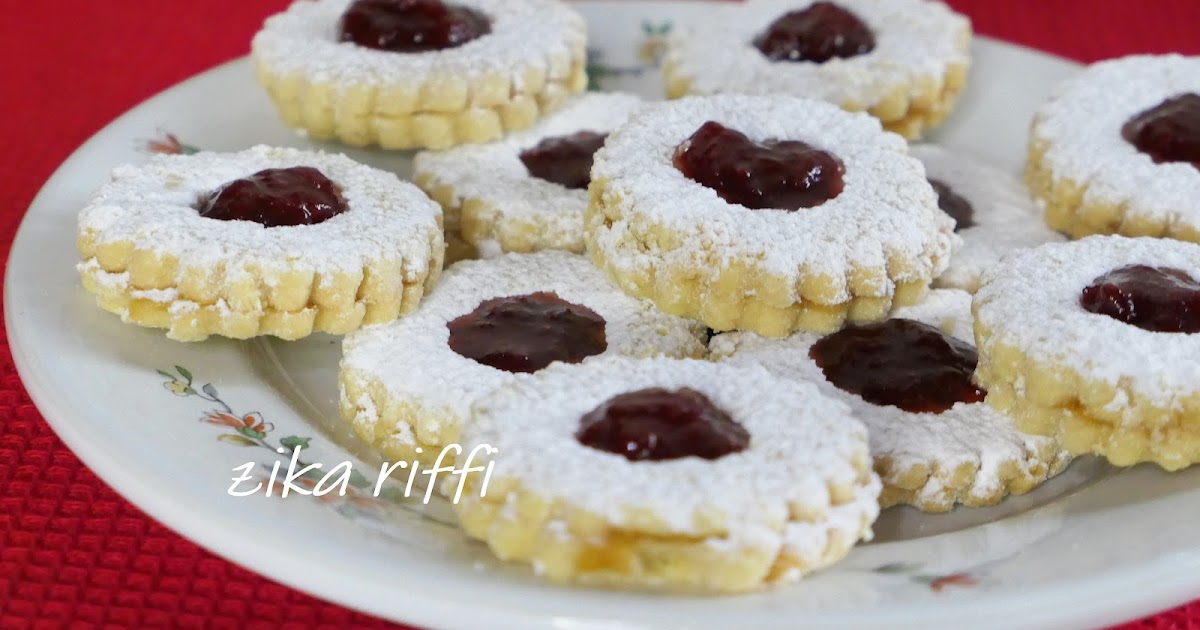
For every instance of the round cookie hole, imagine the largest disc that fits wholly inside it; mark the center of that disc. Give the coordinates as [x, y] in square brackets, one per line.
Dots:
[410, 26]
[299, 195]
[902, 363]
[525, 333]
[775, 174]
[954, 205]
[935, 372]
[657, 424]
[1169, 131]
[1156, 299]
[816, 34]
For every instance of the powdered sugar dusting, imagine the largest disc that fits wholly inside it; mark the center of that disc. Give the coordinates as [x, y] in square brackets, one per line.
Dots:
[412, 359]
[800, 442]
[967, 433]
[915, 39]
[1006, 219]
[1031, 302]
[524, 33]
[887, 209]
[1081, 126]
[153, 206]
[495, 174]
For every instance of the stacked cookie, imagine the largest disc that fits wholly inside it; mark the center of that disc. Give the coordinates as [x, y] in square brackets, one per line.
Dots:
[903, 61]
[1095, 342]
[706, 340]
[419, 73]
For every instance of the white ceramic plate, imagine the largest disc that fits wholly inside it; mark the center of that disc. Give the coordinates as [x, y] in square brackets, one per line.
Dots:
[1090, 548]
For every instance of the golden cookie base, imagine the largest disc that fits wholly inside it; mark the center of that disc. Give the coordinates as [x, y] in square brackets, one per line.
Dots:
[1068, 212]
[396, 427]
[565, 543]
[909, 110]
[1057, 401]
[910, 486]
[438, 113]
[479, 221]
[742, 297]
[457, 247]
[289, 304]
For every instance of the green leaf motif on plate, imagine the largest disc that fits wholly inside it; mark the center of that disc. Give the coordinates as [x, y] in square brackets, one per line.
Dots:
[293, 442]
[233, 438]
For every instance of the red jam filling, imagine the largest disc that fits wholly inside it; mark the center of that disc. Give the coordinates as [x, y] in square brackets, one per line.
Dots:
[1168, 132]
[565, 160]
[780, 174]
[1158, 299]
[902, 363]
[657, 424]
[954, 205]
[525, 333]
[411, 26]
[300, 195]
[819, 33]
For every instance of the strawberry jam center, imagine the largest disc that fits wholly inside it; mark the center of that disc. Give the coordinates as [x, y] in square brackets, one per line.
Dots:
[525, 333]
[1158, 299]
[657, 424]
[901, 363]
[954, 205]
[819, 33]
[300, 195]
[780, 174]
[411, 26]
[565, 160]
[1168, 132]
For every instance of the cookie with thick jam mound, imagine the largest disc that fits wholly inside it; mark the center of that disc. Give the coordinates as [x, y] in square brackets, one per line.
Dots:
[300, 242]
[1095, 342]
[1117, 150]
[764, 213]
[934, 440]
[564, 160]
[991, 208]
[903, 61]
[666, 474]
[527, 192]
[415, 74]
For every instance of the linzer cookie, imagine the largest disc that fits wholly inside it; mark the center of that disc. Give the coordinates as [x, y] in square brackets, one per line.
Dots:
[419, 73]
[671, 474]
[407, 387]
[265, 241]
[527, 192]
[909, 379]
[1116, 150]
[992, 212]
[769, 214]
[1096, 342]
[904, 61]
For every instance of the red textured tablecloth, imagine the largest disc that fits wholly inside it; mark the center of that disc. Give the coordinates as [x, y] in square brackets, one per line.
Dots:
[73, 552]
